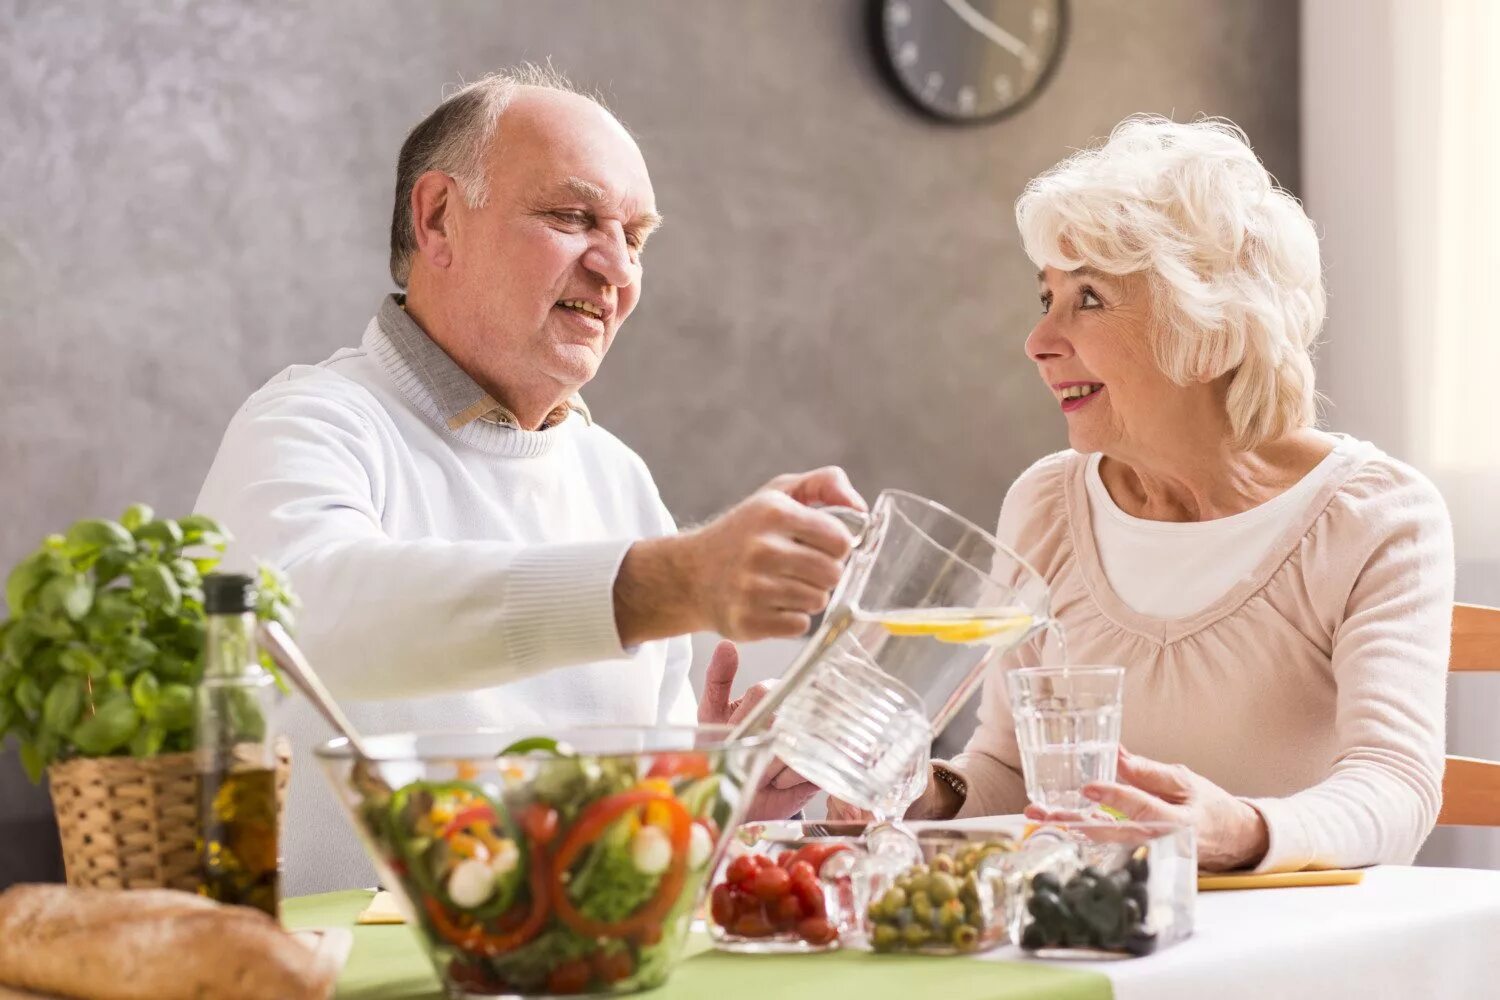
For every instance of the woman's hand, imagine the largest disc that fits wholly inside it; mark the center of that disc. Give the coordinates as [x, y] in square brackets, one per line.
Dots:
[1230, 832]
[782, 791]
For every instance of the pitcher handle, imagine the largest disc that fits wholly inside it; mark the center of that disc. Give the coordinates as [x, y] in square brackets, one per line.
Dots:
[857, 521]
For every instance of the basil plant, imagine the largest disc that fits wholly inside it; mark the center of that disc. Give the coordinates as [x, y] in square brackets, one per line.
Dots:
[104, 642]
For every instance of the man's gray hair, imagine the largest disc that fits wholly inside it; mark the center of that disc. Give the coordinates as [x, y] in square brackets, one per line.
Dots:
[454, 139]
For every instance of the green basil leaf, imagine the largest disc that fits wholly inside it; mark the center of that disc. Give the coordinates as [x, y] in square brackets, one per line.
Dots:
[136, 515]
[186, 573]
[78, 596]
[25, 580]
[20, 642]
[199, 524]
[109, 728]
[164, 533]
[145, 692]
[63, 704]
[32, 760]
[29, 696]
[109, 567]
[157, 586]
[79, 659]
[137, 651]
[174, 707]
[94, 535]
[147, 741]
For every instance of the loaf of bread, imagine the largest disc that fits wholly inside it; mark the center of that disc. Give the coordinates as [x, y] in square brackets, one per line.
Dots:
[151, 944]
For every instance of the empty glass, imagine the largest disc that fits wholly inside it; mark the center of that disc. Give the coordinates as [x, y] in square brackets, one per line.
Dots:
[927, 601]
[1068, 730]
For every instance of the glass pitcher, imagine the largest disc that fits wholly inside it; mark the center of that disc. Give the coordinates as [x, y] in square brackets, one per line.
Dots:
[928, 600]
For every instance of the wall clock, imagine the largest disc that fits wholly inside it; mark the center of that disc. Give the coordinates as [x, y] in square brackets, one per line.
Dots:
[968, 61]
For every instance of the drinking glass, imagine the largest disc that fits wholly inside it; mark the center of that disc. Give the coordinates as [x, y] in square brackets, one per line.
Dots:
[1068, 730]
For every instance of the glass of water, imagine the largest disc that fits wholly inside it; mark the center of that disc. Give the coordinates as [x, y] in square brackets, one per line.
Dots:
[1068, 730]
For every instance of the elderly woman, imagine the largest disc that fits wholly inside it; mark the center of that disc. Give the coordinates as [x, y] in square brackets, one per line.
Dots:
[1279, 596]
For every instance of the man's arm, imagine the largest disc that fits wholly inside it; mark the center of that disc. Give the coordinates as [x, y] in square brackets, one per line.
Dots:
[300, 481]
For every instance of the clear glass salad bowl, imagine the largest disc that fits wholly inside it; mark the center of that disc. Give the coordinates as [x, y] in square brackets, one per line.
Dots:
[537, 864]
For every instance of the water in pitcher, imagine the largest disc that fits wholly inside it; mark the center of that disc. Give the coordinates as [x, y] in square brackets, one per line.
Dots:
[862, 726]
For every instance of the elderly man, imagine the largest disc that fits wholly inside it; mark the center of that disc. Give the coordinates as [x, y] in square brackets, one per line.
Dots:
[470, 546]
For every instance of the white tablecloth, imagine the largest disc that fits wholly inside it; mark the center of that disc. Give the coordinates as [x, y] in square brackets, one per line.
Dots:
[1402, 934]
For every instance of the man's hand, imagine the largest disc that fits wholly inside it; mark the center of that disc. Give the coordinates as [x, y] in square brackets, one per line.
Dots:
[1231, 833]
[782, 791]
[760, 570]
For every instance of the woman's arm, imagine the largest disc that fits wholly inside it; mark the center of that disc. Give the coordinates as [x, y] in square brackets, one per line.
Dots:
[1390, 662]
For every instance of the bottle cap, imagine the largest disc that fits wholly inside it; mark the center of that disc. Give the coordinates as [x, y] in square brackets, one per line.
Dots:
[228, 593]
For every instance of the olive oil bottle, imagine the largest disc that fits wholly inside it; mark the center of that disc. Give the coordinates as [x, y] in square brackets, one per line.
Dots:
[239, 845]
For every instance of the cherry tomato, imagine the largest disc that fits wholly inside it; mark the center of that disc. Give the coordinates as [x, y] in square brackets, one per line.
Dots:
[743, 868]
[816, 930]
[722, 904]
[752, 925]
[787, 912]
[810, 895]
[474, 977]
[816, 854]
[785, 859]
[802, 870]
[770, 884]
[570, 977]
[611, 967]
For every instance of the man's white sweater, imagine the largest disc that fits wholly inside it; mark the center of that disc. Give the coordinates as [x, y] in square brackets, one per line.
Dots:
[464, 577]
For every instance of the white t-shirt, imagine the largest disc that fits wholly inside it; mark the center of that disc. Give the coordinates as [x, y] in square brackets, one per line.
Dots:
[1167, 569]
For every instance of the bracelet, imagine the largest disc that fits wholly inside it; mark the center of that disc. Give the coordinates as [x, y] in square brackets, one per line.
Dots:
[953, 780]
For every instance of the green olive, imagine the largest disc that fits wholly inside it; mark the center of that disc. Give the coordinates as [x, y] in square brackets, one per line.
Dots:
[943, 887]
[964, 936]
[918, 883]
[893, 900]
[942, 863]
[921, 907]
[885, 937]
[915, 936]
[950, 914]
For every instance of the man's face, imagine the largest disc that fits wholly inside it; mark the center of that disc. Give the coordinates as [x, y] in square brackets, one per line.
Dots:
[550, 267]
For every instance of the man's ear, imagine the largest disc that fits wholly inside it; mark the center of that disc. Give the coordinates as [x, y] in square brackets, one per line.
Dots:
[433, 199]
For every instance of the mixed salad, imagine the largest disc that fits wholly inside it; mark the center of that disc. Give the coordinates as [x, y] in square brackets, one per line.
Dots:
[573, 874]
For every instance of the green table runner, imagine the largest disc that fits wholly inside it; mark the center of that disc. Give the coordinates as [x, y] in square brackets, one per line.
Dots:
[387, 963]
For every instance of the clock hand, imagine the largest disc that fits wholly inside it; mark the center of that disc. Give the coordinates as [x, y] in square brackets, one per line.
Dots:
[988, 28]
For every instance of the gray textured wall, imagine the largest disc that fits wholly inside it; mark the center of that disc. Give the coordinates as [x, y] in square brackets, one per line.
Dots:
[193, 195]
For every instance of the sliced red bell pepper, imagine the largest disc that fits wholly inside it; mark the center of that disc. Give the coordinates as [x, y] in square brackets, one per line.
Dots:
[479, 812]
[590, 825]
[472, 937]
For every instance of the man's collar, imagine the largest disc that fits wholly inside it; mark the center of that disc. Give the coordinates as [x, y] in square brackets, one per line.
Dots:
[459, 398]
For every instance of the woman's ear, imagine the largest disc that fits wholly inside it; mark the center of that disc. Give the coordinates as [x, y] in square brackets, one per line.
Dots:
[433, 198]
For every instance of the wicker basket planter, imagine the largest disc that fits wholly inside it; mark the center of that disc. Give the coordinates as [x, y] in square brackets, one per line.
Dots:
[130, 823]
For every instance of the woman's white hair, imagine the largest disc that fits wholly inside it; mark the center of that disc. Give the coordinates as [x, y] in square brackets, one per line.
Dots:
[1231, 258]
[454, 139]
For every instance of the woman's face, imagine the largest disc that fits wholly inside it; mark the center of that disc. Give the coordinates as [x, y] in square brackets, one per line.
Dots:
[1092, 348]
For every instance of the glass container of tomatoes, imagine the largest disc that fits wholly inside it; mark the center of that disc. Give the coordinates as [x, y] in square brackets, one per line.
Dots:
[785, 887]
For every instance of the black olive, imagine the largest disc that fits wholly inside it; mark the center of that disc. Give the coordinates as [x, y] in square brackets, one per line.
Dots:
[1045, 880]
[1132, 914]
[1091, 873]
[1138, 865]
[1047, 907]
[1137, 894]
[1035, 936]
[1140, 943]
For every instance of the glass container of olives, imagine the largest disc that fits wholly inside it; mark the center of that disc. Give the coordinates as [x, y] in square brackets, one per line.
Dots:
[1114, 890]
[956, 900]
